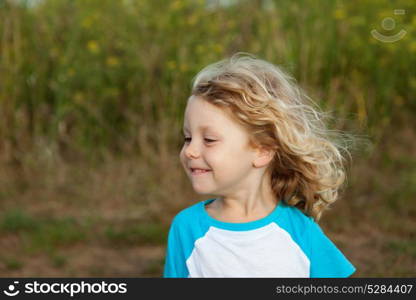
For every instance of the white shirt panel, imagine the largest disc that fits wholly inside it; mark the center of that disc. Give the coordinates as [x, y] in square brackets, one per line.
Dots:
[268, 251]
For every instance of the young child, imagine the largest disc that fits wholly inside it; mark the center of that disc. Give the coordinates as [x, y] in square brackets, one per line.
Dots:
[253, 141]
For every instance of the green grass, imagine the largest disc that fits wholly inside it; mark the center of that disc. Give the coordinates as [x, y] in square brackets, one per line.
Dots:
[48, 234]
[139, 234]
[44, 234]
[12, 263]
[405, 247]
[16, 220]
[154, 268]
[59, 261]
[57, 233]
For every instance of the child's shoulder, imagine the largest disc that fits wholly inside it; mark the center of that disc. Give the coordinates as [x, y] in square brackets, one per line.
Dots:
[188, 214]
[297, 217]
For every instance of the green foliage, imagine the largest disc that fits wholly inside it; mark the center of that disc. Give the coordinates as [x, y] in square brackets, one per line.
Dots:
[88, 74]
[12, 263]
[16, 220]
[56, 233]
[404, 247]
[140, 234]
[42, 233]
[59, 261]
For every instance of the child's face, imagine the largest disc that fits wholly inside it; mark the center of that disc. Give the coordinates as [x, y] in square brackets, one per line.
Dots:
[215, 142]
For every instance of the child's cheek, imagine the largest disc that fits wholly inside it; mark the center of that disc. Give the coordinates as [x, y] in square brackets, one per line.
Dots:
[216, 159]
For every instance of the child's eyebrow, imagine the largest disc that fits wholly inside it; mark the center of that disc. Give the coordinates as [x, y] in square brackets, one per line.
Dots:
[203, 128]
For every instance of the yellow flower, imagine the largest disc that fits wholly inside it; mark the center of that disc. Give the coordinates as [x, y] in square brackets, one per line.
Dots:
[362, 110]
[112, 61]
[71, 72]
[218, 48]
[79, 97]
[230, 24]
[171, 65]
[176, 5]
[200, 49]
[398, 101]
[111, 92]
[339, 14]
[413, 82]
[87, 22]
[412, 46]
[183, 67]
[192, 19]
[93, 46]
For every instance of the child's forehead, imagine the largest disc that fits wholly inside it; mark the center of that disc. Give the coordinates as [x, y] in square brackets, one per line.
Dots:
[200, 110]
[200, 127]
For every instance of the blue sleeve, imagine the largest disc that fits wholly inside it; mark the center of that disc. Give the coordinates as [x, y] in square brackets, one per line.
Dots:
[327, 261]
[175, 265]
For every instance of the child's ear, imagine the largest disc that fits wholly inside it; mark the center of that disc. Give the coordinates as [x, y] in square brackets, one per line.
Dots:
[263, 157]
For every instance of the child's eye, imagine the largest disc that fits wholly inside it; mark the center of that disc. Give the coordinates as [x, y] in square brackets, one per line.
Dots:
[209, 140]
[187, 140]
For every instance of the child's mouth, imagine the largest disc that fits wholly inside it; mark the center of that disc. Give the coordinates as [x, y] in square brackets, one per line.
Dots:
[199, 171]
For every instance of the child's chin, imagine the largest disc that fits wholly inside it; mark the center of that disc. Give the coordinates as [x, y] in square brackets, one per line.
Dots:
[202, 190]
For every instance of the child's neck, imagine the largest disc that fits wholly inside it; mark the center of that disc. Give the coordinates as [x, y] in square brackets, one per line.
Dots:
[235, 211]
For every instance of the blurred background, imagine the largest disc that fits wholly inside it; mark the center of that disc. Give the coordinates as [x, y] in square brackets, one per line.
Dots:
[92, 94]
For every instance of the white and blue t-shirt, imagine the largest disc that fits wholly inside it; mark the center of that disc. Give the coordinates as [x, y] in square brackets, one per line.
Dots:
[286, 243]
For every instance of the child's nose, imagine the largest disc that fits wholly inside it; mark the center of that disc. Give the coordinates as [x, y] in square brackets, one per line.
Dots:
[192, 150]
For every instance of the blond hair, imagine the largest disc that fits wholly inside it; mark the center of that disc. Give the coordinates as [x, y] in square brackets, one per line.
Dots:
[308, 169]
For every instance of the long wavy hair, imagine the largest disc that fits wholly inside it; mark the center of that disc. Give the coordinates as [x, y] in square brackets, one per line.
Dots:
[308, 168]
